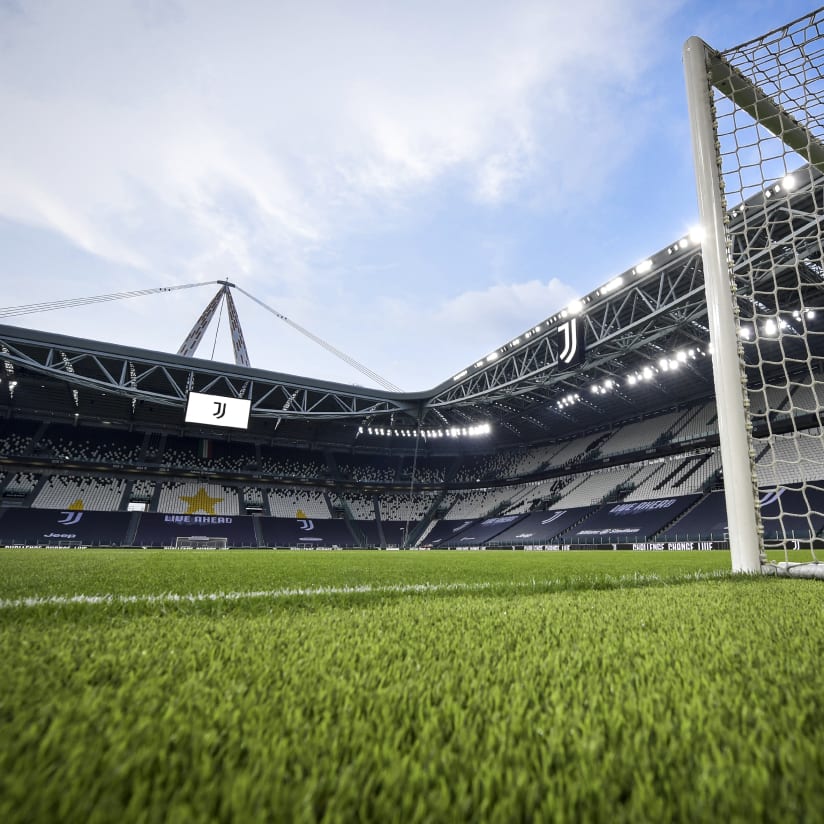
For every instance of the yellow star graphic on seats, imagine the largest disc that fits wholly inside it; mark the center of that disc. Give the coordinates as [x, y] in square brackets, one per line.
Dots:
[201, 501]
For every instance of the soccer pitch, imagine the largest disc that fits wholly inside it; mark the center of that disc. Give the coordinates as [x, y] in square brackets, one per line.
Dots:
[381, 686]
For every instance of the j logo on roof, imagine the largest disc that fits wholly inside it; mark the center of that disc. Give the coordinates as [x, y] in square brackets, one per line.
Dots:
[572, 349]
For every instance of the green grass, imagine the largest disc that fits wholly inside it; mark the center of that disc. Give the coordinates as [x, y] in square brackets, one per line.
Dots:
[576, 687]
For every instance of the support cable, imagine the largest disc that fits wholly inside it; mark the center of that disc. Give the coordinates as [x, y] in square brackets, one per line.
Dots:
[364, 370]
[49, 306]
[217, 327]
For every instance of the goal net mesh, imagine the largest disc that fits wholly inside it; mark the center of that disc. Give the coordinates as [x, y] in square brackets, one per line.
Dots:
[200, 542]
[766, 103]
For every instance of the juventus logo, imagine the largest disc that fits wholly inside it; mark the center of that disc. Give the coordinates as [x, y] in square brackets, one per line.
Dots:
[307, 525]
[72, 517]
[554, 517]
[569, 331]
[220, 411]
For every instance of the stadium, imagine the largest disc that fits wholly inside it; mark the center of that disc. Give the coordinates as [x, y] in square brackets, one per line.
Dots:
[595, 657]
[597, 426]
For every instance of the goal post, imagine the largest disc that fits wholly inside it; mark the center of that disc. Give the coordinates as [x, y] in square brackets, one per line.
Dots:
[200, 542]
[757, 122]
[730, 395]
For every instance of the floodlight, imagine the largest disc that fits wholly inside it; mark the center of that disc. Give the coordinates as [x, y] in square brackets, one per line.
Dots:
[615, 283]
[770, 327]
[643, 267]
[788, 183]
[696, 234]
[575, 308]
[646, 373]
[810, 314]
[491, 357]
[632, 380]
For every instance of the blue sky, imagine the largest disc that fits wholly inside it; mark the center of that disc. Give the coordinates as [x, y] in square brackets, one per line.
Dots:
[416, 183]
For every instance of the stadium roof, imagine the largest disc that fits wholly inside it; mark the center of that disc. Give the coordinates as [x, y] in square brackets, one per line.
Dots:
[636, 346]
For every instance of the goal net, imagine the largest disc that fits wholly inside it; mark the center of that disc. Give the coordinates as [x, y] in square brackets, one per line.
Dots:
[757, 120]
[200, 542]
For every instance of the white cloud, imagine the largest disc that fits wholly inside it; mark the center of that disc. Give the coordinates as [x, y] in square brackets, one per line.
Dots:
[417, 343]
[198, 140]
[297, 106]
[493, 315]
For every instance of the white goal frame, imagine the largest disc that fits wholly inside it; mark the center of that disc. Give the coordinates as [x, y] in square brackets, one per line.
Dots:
[201, 542]
[708, 73]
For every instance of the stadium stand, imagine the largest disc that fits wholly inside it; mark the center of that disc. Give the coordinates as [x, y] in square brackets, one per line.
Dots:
[700, 471]
[404, 508]
[702, 422]
[639, 435]
[564, 492]
[474, 533]
[540, 528]
[572, 451]
[597, 485]
[361, 506]
[20, 485]
[142, 490]
[69, 492]
[646, 481]
[195, 496]
[87, 445]
[290, 503]
[792, 459]
[288, 465]
[630, 521]
[705, 521]
[478, 503]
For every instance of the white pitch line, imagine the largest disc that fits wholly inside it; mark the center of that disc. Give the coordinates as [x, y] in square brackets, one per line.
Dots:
[201, 597]
[311, 592]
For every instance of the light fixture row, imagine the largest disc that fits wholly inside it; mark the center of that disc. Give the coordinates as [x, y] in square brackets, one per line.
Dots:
[473, 431]
[771, 327]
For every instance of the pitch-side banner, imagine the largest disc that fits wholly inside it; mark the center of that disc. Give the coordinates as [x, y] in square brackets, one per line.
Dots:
[217, 410]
